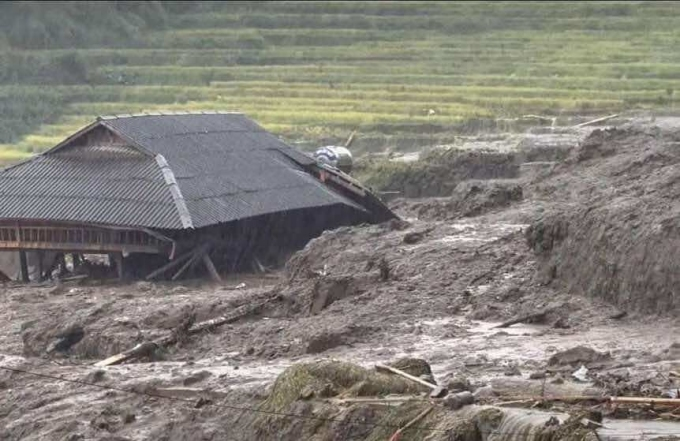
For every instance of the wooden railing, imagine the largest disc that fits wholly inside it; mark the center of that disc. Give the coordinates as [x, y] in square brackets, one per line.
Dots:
[78, 238]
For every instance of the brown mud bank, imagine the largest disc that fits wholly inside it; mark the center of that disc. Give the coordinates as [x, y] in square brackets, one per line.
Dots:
[615, 230]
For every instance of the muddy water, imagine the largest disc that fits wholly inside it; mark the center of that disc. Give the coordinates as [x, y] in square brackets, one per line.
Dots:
[525, 425]
[482, 351]
[615, 430]
[452, 345]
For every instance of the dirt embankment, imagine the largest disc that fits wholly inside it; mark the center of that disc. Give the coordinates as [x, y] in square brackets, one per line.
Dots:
[613, 230]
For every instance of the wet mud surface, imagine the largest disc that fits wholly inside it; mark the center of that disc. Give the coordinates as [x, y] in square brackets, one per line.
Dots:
[435, 286]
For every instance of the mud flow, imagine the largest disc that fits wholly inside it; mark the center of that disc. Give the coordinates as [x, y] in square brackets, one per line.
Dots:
[534, 282]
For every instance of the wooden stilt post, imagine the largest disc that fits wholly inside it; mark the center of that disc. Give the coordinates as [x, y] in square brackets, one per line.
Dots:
[189, 263]
[171, 264]
[24, 266]
[76, 261]
[211, 268]
[41, 258]
[118, 257]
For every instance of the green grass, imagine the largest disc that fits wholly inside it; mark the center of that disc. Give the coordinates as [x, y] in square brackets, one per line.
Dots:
[314, 71]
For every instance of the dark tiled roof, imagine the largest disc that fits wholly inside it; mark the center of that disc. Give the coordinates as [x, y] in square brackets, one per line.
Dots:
[182, 171]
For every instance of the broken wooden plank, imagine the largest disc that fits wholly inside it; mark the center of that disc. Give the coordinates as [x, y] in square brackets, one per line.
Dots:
[645, 400]
[538, 316]
[397, 435]
[188, 264]
[606, 399]
[597, 120]
[207, 261]
[141, 349]
[169, 265]
[394, 400]
[147, 348]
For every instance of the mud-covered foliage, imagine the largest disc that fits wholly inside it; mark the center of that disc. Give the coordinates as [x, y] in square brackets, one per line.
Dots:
[303, 382]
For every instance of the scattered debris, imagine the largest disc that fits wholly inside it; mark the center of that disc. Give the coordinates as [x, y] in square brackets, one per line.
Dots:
[437, 391]
[538, 375]
[538, 317]
[146, 348]
[618, 315]
[458, 400]
[578, 355]
[581, 374]
[67, 338]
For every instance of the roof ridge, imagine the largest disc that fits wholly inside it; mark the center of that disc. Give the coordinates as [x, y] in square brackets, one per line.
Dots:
[169, 113]
[178, 199]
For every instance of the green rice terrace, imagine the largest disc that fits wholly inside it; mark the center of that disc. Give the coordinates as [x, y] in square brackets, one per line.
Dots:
[403, 74]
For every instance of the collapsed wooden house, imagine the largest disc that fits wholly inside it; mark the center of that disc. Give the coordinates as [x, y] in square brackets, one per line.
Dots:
[174, 191]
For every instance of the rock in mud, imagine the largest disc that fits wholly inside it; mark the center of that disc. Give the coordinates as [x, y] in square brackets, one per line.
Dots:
[557, 380]
[397, 225]
[95, 376]
[196, 378]
[50, 336]
[414, 366]
[332, 337]
[66, 338]
[459, 384]
[414, 237]
[458, 400]
[672, 353]
[578, 355]
[475, 360]
[144, 286]
[327, 290]
[538, 375]
[484, 393]
[512, 371]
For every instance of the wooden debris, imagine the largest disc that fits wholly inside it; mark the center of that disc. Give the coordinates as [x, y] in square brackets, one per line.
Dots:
[645, 400]
[387, 401]
[437, 391]
[146, 348]
[538, 316]
[673, 402]
[397, 435]
[597, 120]
[619, 315]
[207, 261]
[169, 265]
[191, 262]
[141, 350]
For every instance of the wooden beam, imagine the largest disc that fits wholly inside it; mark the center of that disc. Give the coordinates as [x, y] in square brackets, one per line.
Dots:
[41, 258]
[211, 268]
[595, 121]
[146, 348]
[169, 265]
[118, 258]
[80, 247]
[189, 263]
[24, 266]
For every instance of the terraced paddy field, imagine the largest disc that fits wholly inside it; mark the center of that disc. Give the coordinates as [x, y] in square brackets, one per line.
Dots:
[403, 74]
